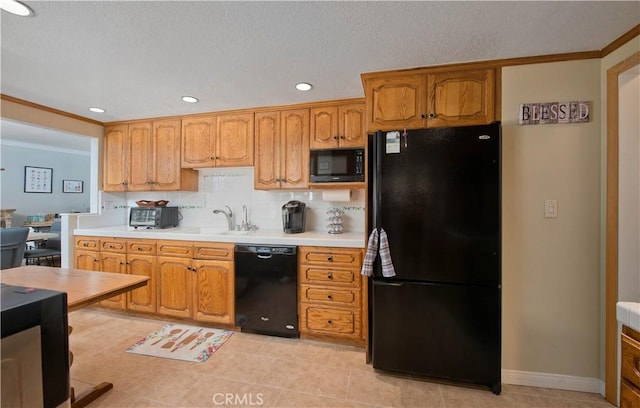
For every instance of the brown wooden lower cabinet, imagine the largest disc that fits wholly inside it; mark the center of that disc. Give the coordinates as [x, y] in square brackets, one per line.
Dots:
[191, 280]
[330, 294]
[630, 369]
[195, 281]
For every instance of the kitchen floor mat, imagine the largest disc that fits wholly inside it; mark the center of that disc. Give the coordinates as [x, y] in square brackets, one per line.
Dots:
[182, 342]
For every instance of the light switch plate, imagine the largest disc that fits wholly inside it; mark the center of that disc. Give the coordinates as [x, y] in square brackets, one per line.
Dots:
[550, 208]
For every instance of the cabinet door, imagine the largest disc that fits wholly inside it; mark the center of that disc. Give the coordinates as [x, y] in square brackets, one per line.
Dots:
[174, 286]
[166, 155]
[396, 102]
[267, 144]
[461, 98]
[352, 132]
[87, 260]
[115, 158]
[214, 291]
[323, 127]
[629, 396]
[234, 140]
[140, 157]
[114, 263]
[142, 299]
[198, 142]
[294, 161]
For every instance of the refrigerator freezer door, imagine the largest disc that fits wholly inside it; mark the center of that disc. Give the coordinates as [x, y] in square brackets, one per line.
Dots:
[440, 204]
[443, 331]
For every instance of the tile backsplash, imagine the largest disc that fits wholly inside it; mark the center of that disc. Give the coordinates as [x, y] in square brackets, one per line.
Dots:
[233, 187]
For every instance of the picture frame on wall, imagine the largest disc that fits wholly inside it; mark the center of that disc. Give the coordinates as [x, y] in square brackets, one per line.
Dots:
[37, 179]
[72, 186]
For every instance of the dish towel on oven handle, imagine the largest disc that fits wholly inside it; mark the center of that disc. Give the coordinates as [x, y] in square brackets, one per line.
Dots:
[385, 254]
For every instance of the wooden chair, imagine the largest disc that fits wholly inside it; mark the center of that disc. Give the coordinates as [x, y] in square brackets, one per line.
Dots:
[12, 246]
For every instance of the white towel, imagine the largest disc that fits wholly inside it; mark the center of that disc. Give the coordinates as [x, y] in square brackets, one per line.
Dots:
[370, 256]
[385, 255]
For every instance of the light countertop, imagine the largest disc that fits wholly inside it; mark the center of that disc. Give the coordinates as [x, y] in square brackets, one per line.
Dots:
[264, 237]
[628, 313]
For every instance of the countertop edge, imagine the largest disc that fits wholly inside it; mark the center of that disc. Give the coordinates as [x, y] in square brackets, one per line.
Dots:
[347, 240]
[628, 313]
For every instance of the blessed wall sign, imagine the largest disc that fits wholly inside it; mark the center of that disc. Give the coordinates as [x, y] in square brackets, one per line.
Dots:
[554, 112]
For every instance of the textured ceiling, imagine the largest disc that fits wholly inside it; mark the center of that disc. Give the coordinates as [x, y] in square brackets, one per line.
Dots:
[136, 59]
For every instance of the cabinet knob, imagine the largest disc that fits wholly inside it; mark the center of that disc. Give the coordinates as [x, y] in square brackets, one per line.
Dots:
[330, 275]
[423, 116]
[335, 137]
[329, 321]
[432, 115]
[329, 297]
[342, 137]
[329, 258]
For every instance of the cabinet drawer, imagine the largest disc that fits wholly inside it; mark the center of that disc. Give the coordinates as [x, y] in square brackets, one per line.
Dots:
[337, 297]
[88, 243]
[332, 276]
[330, 321]
[175, 249]
[629, 396]
[113, 245]
[339, 257]
[631, 360]
[141, 247]
[219, 251]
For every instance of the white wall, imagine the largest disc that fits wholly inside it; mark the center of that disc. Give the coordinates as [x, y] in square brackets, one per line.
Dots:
[629, 187]
[234, 187]
[551, 274]
[66, 165]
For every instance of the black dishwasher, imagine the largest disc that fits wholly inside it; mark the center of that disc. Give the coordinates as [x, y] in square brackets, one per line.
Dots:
[267, 289]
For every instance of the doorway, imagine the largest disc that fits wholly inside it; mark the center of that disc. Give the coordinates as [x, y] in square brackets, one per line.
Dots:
[615, 254]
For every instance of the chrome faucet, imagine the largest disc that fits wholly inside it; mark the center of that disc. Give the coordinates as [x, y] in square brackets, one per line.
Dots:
[228, 214]
[246, 224]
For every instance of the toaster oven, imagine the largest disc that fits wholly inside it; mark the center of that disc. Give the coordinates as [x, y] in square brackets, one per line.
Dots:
[154, 217]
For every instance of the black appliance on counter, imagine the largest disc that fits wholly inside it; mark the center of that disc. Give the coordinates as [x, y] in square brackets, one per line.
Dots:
[294, 216]
[266, 291]
[35, 347]
[154, 217]
[436, 193]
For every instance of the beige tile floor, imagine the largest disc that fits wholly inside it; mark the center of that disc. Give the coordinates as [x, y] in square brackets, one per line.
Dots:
[252, 370]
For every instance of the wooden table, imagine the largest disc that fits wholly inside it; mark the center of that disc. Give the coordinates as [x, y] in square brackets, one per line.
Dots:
[83, 288]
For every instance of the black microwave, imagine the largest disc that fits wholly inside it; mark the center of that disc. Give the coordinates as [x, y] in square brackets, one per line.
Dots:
[336, 165]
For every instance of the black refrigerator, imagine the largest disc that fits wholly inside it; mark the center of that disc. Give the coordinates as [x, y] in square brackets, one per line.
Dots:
[436, 194]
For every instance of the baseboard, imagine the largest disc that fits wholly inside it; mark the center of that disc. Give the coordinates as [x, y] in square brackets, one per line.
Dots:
[563, 382]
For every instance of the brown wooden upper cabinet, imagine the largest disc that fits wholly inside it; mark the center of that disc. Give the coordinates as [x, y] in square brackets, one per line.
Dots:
[282, 150]
[428, 98]
[337, 126]
[145, 156]
[218, 141]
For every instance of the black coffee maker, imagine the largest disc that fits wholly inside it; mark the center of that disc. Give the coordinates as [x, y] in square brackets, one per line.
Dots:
[293, 217]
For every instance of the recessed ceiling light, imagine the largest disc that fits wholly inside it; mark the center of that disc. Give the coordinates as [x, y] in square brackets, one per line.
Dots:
[97, 110]
[15, 7]
[303, 86]
[189, 99]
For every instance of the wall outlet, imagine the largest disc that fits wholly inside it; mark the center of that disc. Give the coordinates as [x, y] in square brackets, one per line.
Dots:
[550, 208]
